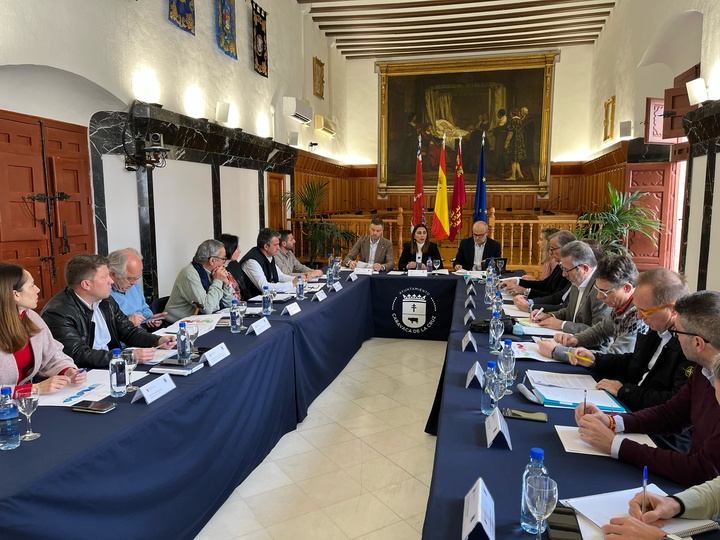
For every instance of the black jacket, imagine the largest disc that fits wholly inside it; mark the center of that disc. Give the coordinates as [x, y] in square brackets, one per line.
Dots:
[550, 286]
[70, 322]
[268, 267]
[666, 377]
[408, 256]
[466, 252]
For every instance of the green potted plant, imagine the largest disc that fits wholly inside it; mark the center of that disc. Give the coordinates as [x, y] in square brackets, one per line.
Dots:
[323, 236]
[610, 223]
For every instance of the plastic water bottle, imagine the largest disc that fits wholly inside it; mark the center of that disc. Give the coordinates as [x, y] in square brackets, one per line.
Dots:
[497, 302]
[536, 467]
[496, 329]
[300, 288]
[418, 260]
[487, 403]
[330, 277]
[429, 264]
[491, 266]
[336, 269]
[235, 317]
[9, 429]
[507, 361]
[490, 288]
[183, 343]
[266, 301]
[331, 260]
[118, 377]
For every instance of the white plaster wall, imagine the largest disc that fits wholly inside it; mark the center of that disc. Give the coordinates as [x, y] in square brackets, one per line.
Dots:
[183, 216]
[240, 207]
[363, 104]
[121, 204]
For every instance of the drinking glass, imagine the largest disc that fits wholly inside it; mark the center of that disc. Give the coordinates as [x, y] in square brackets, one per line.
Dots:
[242, 309]
[506, 365]
[497, 333]
[436, 264]
[273, 294]
[27, 402]
[193, 331]
[497, 388]
[500, 265]
[541, 497]
[130, 364]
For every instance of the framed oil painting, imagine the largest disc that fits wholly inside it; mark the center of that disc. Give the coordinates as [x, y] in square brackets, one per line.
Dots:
[609, 119]
[318, 78]
[506, 98]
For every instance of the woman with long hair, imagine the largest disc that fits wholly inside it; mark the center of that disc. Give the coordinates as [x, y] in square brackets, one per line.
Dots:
[547, 261]
[235, 273]
[27, 348]
[419, 248]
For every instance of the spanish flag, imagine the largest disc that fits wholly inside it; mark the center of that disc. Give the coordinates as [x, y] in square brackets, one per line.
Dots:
[441, 222]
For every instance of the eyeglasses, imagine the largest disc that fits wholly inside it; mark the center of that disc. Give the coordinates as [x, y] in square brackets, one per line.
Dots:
[133, 279]
[568, 270]
[223, 259]
[647, 312]
[674, 333]
[481, 235]
[604, 292]
[552, 249]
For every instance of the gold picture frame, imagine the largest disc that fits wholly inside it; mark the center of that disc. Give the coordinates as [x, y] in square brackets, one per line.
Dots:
[318, 78]
[609, 119]
[473, 92]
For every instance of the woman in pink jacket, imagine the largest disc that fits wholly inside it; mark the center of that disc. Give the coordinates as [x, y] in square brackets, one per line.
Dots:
[27, 348]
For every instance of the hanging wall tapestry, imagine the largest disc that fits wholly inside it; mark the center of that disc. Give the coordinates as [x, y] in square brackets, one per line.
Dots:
[182, 14]
[225, 21]
[260, 40]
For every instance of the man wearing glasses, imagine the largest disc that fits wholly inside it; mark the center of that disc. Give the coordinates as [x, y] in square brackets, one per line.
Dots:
[473, 251]
[201, 286]
[260, 268]
[126, 267]
[697, 327]
[584, 308]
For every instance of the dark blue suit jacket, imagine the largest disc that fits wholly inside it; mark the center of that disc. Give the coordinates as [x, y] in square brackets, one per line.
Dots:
[466, 252]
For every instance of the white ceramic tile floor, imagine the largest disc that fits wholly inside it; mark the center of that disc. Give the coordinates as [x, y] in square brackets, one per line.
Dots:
[359, 465]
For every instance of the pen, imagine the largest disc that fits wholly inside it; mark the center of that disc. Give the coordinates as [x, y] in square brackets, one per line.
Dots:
[538, 313]
[584, 401]
[644, 487]
[578, 357]
[83, 370]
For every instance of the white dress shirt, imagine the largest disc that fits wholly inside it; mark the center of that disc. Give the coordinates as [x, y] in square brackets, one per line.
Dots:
[102, 332]
[255, 272]
[373, 249]
[479, 251]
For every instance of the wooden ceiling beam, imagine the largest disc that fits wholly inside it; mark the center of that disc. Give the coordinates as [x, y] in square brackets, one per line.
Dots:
[342, 41]
[494, 12]
[445, 5]
[450, 50]
[484, 21]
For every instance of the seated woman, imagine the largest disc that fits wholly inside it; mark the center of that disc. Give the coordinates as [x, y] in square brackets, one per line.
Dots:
[27, 347]
[419, 248]
[235, 273]
[547, 261]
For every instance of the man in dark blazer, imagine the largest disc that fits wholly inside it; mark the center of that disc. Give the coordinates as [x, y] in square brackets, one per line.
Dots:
[373, 249]
[584, 308]
[472, 251]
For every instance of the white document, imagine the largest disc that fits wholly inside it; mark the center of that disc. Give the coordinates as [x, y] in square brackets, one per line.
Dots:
[494, 424]
[279, 297]
[469, 339]
[571, 441]
[561, 380]
[477, 274]
[309, 288]
[160, 355]
[96, 388]
[206, 323]
[364, 271]
[258, 327]
[441, 272]
[506, 296]
[529, 351]
[154, 389]
[291, 309]
[512, 311]
[396, 273]
[479, 508]
[417, 273]
[569, 398]
[538, 331]
[363, 265]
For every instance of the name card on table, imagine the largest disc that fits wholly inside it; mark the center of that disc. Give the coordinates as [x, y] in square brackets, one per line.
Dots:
[468, 339]
[258, 327]
[494, 424]
[475, 377]
[352, 276]
[471, 289]
[470, 302]
[291, 309]
[337, 286]
[214, 355]
[364, 271]
[417, 273]
[319, 296]
[154, 389]
[469, 316]
[479, 508]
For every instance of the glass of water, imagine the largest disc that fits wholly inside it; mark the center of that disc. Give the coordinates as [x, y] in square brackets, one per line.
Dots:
[242, 310]
[131, 362]
[27, 402]
[541, 495]
[193, 331]
[500, 265]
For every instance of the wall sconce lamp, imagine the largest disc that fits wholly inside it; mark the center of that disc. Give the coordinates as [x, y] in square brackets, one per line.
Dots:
[697, 91]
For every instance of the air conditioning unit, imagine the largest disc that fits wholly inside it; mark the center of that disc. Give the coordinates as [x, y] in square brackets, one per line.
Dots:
[325, 125]
[293, 107]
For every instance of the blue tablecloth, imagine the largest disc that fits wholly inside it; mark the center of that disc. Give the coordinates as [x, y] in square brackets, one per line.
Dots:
[159, 470]
[461, 455]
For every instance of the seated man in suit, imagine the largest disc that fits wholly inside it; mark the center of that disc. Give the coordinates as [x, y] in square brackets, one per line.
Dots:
[656, 368]
[260, 268]
[126, 271]
[88, 321]
[584, 308]
[473, 251]
[695, 404]
[373, 249]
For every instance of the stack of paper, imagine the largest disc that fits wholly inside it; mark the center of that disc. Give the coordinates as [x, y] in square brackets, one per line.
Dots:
[529, 351]
[571, 441]
[567, 391]
[206, 323]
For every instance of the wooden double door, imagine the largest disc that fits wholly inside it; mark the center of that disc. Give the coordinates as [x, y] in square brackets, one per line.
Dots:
[46, 212]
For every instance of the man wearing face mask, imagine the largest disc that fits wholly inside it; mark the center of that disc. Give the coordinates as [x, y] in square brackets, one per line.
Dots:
[374, 250]
[202, 285]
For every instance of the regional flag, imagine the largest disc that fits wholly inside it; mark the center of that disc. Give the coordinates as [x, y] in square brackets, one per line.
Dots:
[418, 216]
[481, 188]
[441, 222]
[458, 200]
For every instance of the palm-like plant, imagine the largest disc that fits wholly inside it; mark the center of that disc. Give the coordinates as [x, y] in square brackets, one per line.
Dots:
[323, 236]
[611, 223]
